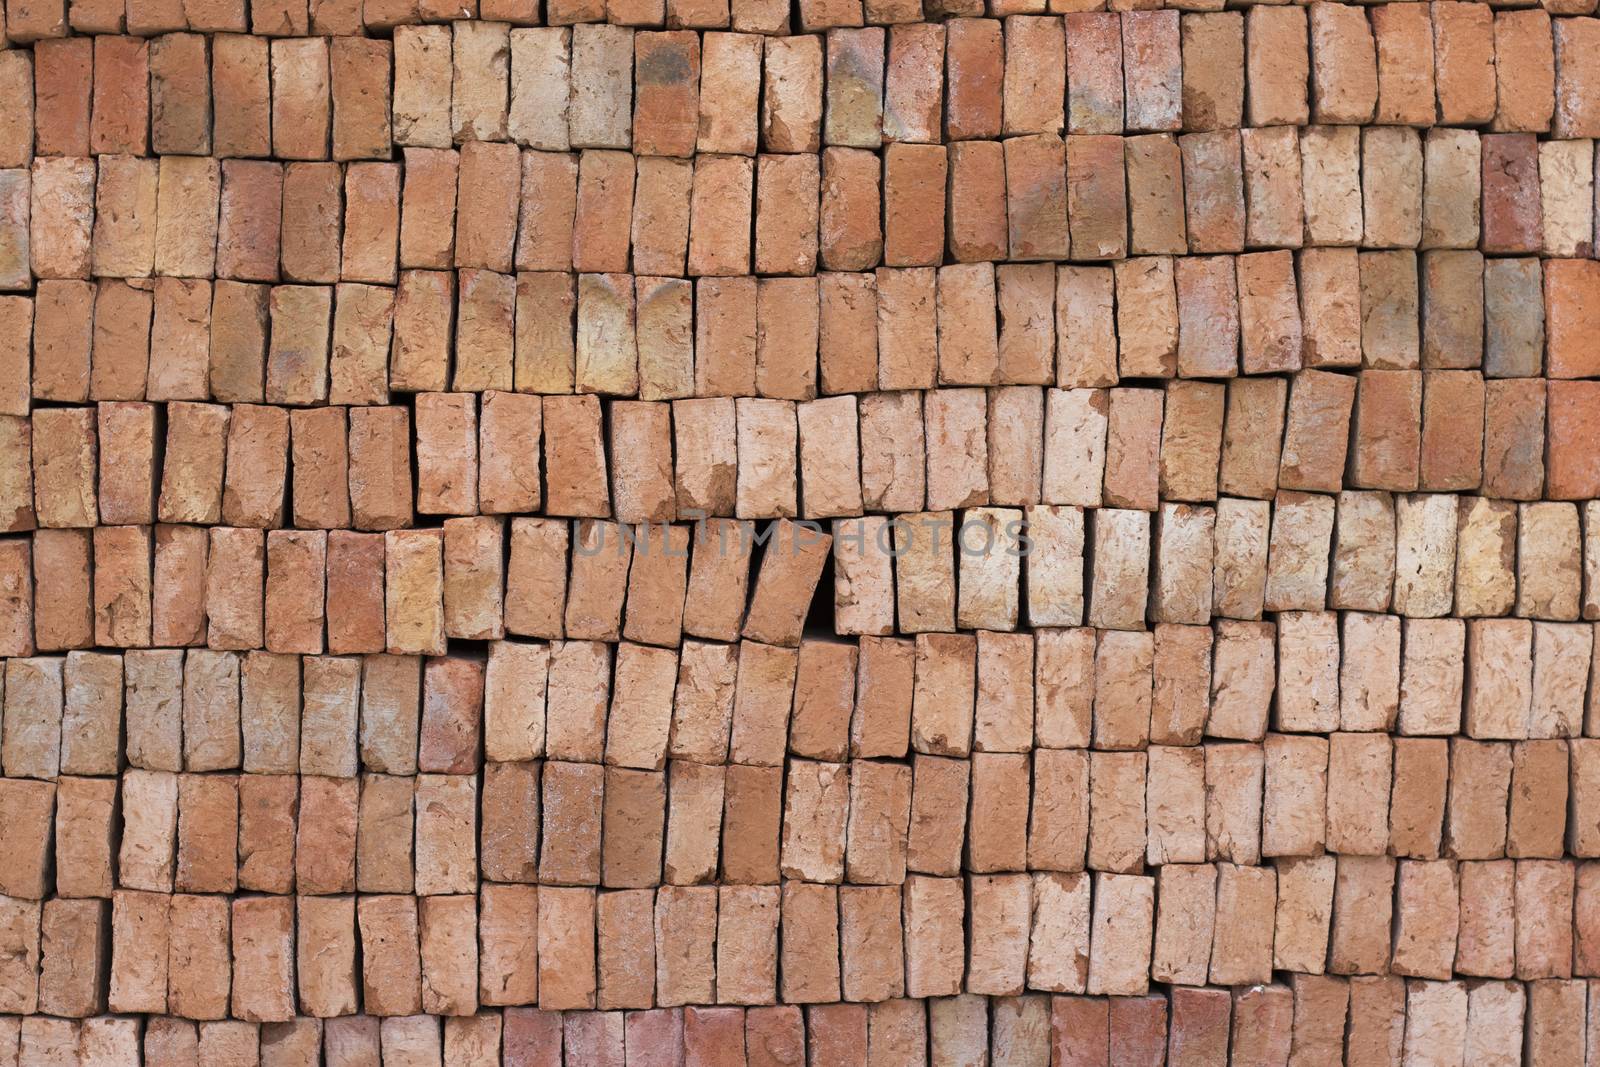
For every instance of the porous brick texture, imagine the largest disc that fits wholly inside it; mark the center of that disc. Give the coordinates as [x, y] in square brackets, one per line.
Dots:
[799, 533]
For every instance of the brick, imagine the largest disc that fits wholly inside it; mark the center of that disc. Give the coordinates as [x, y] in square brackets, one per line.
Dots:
[1512, 223]
[1155, 200]
[1036, 196]
[121, 102]
[602, 91]
[480, 62]
[914, 187]
[572, 824]
[422, 86]
[125, 218]
[248, 231]
[1344, 68]
[61, 217]
[179, 340]
[360, 86]
[540, 84]
[427, 216]
[62, 80]
[506, 970]
[1213, 191]
[122, 586]
[1405, 66]
[384, 833]
[1451, 188]
[1522, 41]
[1233, 789]
[1330, 157]
[140, 934]
[1274, 205]
[391, 966]
[414, 582]
[1568, 474]
[485, 238]
[1277, 65]
[1269, 313]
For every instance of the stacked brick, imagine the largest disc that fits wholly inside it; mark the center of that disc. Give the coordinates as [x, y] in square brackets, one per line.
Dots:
[695, 533]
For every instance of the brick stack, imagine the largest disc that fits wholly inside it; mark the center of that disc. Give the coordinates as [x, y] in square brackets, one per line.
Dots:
[695, 533]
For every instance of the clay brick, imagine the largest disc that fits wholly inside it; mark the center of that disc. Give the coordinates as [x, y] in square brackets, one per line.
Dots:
[1026, 355]
[1405, 66]
[1214, 81]
[427, 215]
[1452, 175]
[121, 104]
[634, 814]
[566, 949]
[1452, 454]
[61, 216]
[61, 82]
[1269, 313]
[61, 562]
[508, 925]
[360, 87]
[1155, 194]
[1277, 62]
[383, 845]
[1233, 776]
[446, 840]
[485, 220]
[1273, 194]
[122, 585]
[414, 579]
[730, 82]
[216, 583]
[572, 811]
[326, 954]
[1569, 475]
[1035, 75]
[390, 963]
[1213, 191]
[125, 218]
[1036, 196]
[540, 87]
[422, 70]
[602, 57]
[1208, 315]
[1522, 42]
[1512, 217]
[913, 85]
[480, 63]
[208, 822]
[1330, 183]
[1097, 207]
[140, 932]
[1344, 68]
[914, 179]
[263, 959]
[667, 68]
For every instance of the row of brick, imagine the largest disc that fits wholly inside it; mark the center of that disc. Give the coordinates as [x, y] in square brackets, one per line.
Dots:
[761, 458]
[711, 703]
[411, 591]
[795, 338]
[268, 958]
[1319, 1020]
[847, 209]
[1086, 72]
[868, 822]
[30, 23]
